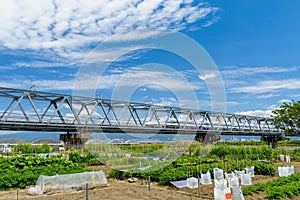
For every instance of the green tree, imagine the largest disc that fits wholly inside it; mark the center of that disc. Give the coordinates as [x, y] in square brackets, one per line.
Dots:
[44, 148]
[287, 117]
[23, 148]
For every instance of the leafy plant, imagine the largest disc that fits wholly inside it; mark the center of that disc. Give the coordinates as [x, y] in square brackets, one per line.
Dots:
[283, 187]
[19, 172]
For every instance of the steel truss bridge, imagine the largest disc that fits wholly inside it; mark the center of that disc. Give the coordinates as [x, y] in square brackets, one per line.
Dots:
[26, 110]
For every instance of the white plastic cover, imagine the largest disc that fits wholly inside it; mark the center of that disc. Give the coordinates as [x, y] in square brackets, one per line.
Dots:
[288, 158]
[281, 157]
[192, 182]
[179, 184]
[218, 174]
[239, 173]
[237, 194]
[35, 190]
[219, 193]
[250, 170]
[283, 171]
[246, 179]
[230, 175]
[220, 183]
[233, 182]
[206, 178]
[68, 182]
[291, 170]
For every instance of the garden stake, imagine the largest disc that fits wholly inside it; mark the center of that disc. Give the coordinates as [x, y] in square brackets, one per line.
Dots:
[86, 191]
[149, 186]
[198, 185]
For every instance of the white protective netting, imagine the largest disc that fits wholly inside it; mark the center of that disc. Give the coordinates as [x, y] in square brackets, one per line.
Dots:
[68, 182]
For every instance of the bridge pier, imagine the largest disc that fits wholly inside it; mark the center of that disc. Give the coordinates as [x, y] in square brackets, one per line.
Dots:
[207, 138]
[75, 139]
[272, 140]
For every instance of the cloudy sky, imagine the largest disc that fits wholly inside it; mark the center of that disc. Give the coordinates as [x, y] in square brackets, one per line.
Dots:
[254, 45]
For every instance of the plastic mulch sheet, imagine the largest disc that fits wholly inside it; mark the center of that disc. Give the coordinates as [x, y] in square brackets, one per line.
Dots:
[179, 184]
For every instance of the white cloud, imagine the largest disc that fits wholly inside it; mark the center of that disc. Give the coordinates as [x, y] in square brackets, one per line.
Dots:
[132, 77]
[68, 25]
[8, 132]
[42, 64]
[208, 76]
[41, 85]
[158, 80]
[272, 107]
[12, 84]
[233, 103]
[170, 101]
[259, 113]
[284, 101]
[269, 86]
[233, 71]
[266, 96]
[295, 95]
[256, 113]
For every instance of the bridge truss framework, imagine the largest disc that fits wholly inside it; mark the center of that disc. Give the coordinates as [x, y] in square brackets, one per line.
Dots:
[28, 110]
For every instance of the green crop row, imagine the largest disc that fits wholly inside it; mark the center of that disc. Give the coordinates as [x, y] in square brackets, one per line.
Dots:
[182, 170]
[286, 191]
[250, 152]
[283, 187]
[289, 143]
[244, 143]
[240, 152]
[187, 171]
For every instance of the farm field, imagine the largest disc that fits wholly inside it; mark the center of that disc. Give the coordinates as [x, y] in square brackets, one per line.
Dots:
[196, 160]
[118, 190]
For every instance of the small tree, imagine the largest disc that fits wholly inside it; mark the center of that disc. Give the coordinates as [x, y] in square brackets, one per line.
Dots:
[44, 148]
[23, 148]
[287, 117]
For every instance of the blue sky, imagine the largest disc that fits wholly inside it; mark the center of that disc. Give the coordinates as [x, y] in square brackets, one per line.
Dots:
[254, 44]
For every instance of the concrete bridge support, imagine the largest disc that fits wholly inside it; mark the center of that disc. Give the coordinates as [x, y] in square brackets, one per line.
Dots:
[272, 140]
[75, 139]
[207, 138]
